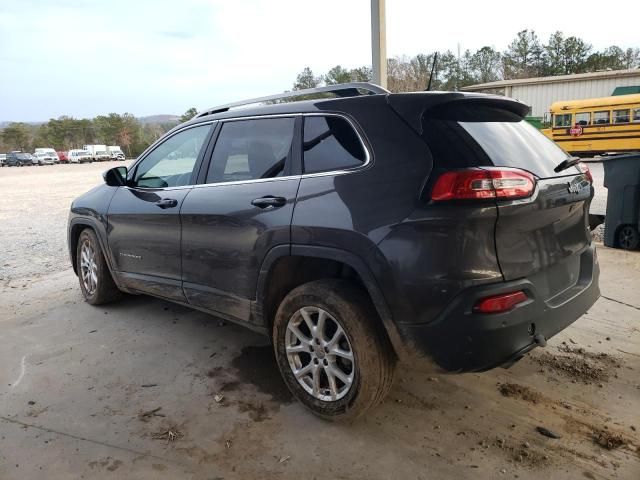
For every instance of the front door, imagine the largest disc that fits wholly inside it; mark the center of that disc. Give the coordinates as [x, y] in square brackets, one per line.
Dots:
[144, 216]
[242, 211]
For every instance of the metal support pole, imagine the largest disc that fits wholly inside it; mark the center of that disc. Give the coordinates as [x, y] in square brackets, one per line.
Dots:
[379, 42]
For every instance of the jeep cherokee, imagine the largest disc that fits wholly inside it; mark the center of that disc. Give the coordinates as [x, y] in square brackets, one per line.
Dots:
[356, 231]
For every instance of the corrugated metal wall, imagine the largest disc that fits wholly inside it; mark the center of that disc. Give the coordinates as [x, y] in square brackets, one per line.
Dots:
[541, 96]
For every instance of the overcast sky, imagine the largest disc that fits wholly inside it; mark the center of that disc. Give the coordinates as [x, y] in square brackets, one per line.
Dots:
[84, 58]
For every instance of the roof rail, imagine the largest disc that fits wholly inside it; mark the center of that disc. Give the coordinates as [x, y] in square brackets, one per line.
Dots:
[352, 89]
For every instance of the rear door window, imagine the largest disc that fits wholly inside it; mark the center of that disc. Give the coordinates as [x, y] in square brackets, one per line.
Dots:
[252, 149]
[331, 143]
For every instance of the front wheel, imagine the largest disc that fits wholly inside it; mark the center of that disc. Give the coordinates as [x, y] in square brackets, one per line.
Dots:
[628, 237]
[96, 283]
[331, 349]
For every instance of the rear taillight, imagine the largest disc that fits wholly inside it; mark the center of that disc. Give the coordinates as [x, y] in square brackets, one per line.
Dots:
[585, 169]
[500, 303]
[477, 183]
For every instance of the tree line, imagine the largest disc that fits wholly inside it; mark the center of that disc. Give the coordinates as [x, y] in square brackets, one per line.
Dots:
[65, 133]
[526, 56]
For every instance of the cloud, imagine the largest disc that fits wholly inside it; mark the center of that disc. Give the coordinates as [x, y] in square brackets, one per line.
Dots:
[178, 35]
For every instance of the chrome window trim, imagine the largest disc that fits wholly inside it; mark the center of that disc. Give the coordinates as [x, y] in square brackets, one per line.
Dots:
[367, 163]
[159, 189]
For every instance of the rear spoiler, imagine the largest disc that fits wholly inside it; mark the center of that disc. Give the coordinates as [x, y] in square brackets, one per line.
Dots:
[453, 106]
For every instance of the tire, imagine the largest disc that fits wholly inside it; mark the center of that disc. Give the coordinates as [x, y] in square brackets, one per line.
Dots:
[99, 288]
[371, 370]
[628, 237]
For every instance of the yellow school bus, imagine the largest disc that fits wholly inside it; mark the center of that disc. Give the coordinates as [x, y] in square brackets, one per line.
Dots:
[596, 125]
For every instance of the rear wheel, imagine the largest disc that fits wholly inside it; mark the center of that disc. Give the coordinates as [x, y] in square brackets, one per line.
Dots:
[331, 350]
[93, 273]
[628, 237]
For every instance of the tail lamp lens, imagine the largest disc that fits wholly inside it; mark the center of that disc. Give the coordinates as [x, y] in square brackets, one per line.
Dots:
[477, 184]
[500, 303]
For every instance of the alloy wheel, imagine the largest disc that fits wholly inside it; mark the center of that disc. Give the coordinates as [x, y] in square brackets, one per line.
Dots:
[320, 354]
[88, 267]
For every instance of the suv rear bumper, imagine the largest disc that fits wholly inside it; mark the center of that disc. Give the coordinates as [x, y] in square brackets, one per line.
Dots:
[462, 341]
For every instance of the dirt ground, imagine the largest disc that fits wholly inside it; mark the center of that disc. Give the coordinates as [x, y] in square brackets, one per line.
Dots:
[146, 389]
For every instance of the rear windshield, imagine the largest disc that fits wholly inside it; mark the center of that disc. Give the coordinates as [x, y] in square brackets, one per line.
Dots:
[457, 144]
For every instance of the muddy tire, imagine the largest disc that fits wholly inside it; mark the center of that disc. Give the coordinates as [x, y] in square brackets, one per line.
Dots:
[331, 349]
[96, 283]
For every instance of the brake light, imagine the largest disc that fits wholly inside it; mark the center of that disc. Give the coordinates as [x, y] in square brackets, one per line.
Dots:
[500, 303]
[477, 183]
[585, 169]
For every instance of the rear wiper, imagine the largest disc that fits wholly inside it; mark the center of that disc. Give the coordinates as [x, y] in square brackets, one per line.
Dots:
[567, 163]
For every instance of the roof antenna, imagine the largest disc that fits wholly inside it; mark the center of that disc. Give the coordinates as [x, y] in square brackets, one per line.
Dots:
[433, 67]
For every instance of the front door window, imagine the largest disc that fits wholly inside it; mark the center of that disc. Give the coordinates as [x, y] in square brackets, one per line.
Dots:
[171, 163]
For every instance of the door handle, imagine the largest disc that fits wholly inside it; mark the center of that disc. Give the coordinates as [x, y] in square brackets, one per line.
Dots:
[269, 201]
[167, 203]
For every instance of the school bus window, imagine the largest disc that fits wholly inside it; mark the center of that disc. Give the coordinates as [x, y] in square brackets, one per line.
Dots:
[600, 118]
[583, 118]
[636, 115]
[562, 120]
[621, 116]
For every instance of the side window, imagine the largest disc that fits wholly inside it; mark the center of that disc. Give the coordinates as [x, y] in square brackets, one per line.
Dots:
[171, 163]
[252, 149]
[583, 118]
[330, 143]
[635, 116]
[621, 116]
[601, 118]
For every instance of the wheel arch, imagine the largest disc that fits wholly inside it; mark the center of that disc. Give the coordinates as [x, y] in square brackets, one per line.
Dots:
[76, 226]
[284, 268]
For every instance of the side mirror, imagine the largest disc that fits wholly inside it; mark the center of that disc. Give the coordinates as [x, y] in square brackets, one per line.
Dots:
[115, 177]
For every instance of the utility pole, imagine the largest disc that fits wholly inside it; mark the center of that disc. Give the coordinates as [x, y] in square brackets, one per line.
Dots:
[379, 42]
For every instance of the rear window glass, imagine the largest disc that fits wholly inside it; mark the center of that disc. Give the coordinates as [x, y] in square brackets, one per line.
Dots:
[501, 144]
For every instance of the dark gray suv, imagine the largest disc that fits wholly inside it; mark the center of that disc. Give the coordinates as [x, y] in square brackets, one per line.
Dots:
[356, 231]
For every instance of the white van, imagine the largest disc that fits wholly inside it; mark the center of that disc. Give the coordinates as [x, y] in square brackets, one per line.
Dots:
[79, 156]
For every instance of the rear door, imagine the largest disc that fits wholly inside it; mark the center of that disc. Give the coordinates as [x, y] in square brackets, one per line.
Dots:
[241, 211]
[144, 216]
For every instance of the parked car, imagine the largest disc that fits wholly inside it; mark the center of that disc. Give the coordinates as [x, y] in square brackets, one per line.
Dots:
[98, 152]
[115, 153]
[356, 231]
[63, 156]
[50, 151]
[44, 158]
[19, 159]
[3, 157]
[79, 156]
